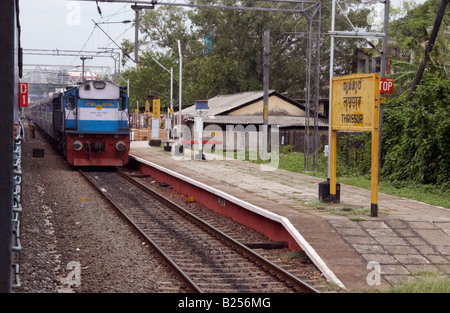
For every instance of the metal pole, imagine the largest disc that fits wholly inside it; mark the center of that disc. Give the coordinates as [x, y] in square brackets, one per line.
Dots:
[118, 70]
[308, 95]
[180, 93]
[82, 74]
[333, 12]
[136, 35]
[266, 91]
[383, 74]
[82, 71]
[116, 80]
[137, 115]
[317, 88]
[200, 135]
[171, 101]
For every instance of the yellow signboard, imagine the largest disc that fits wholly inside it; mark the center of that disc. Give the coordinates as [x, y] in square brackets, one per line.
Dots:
[353, 100]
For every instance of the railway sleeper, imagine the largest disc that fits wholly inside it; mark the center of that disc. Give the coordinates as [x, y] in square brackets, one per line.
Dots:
[212, 274]
[250, 287]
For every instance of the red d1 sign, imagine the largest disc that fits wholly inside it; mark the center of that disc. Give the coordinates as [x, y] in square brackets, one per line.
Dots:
[23, 95]
[386, 85]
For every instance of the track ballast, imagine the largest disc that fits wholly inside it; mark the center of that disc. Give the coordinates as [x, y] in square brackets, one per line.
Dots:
[206, 259]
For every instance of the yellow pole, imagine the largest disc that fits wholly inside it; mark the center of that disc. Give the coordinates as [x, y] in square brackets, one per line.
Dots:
[375, 145]
[158, 107]
[333, 165]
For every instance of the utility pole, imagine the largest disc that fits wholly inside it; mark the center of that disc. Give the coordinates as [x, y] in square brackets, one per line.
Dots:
[179, 150]
[171, 101]
[266, 68]
[333, 19]
[180, 93]
[136, 9]
[136, 33]
[82, 71]
[382, 75]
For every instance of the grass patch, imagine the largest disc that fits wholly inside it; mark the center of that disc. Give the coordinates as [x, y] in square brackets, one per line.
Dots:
[424, 193]
[354, 214]
[424, 283]
[332, 208]
[357, 219]
[301, 255]
[294, 162]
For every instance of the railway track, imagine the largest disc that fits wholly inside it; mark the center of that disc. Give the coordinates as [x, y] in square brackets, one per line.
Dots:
[206, 259]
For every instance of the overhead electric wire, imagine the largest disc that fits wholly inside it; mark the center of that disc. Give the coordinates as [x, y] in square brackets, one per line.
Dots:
[92, 32]
[112, 15]
[106, 18]
[343, 13]
[113, 41]
[110, 41]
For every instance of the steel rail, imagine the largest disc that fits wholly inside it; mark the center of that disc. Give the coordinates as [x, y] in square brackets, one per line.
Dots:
[184, 277]
[291, 280]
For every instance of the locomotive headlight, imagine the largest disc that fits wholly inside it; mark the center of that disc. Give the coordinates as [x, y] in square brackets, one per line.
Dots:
[121, 146]
[77, 145]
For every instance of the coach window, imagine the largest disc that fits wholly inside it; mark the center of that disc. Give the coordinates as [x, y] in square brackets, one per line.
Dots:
[70, 102]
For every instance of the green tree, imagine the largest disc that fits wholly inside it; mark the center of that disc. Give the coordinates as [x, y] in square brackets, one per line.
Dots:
[239, 35]
[150, 78]
[408, 37]
[234, 64]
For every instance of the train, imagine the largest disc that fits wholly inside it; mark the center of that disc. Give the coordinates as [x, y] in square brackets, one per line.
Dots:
[10, 174]
[88, 123]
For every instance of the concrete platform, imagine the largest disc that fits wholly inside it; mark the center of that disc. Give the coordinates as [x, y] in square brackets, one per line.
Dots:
[351, 249]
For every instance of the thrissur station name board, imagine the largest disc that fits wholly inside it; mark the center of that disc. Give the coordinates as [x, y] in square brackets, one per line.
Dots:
[355, 101]
[354, 98]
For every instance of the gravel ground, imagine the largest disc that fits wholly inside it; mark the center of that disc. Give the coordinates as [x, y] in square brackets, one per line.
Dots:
[296, 262]
[68, 231]
[65, 221]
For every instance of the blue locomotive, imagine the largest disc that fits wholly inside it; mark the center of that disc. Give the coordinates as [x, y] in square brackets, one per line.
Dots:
[88, 123]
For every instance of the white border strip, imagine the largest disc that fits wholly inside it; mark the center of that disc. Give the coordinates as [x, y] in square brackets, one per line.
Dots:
[312, 254]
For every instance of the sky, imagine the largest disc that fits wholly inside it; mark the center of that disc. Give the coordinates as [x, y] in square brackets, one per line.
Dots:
[68, 25]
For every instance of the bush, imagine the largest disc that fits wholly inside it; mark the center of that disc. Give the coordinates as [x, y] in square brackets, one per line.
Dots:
[416, 135]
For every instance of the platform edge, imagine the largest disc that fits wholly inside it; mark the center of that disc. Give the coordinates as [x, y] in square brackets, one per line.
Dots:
[309, 250]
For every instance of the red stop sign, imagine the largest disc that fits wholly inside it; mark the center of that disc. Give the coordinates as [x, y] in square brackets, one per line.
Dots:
[386, 85]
